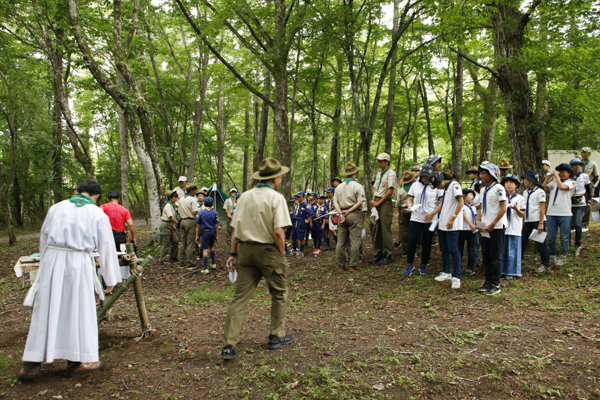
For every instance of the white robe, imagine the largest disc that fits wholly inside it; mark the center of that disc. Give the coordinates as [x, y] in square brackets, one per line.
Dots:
[63, 322]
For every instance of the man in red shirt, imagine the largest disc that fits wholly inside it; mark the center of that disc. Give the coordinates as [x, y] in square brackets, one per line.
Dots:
[119, 216]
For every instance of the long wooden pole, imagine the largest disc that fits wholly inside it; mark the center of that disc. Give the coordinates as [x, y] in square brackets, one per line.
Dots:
[137, 288]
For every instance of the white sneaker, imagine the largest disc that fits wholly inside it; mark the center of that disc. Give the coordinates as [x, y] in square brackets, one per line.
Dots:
[552, 260]
[562, 260]
[455, 283]
[443, 277]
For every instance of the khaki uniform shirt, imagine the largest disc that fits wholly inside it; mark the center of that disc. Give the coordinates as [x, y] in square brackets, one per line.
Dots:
[180, 194]
[402, 197]
[591, 170]
[383, 183]
[167, 213]
[348, 194]
[258, 213]
[228, 205]
[188, 206]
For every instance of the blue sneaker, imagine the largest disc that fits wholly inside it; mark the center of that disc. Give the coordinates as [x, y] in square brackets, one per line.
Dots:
[287, 253]
[409, 269]
[423, 269]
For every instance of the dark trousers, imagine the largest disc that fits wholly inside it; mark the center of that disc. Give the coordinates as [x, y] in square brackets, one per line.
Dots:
[528, 227]
[449, 246]
[120, 238]
[415, 231]
[491, 249]
[470, 239]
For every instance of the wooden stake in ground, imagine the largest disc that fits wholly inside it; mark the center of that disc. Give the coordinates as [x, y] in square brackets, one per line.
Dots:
[137, 288]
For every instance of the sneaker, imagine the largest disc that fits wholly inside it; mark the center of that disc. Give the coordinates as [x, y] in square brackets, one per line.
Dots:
[275, 343]
[455, 283]
[288, 254]
[213, 266]
[205, 271]
[469, 272]
[423, 269]
[409, 269]
[493, 290]
[443, 277]
[228, 353]
[340, 268]
[315, 252]
[484, 288]
[541, 269]
[509, 278]
[385, 261]
[377, 258]
[552, 260]
[353, 269]
[299, 254]
[562, 260]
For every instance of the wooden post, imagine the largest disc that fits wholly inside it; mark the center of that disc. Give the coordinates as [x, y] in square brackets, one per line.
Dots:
[137, 288]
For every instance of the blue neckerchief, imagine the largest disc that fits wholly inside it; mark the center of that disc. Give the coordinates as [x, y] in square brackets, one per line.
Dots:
[472, 213]
[484, 204]
[556, 194]
[508, 209]
[423, 195]
[529, 193]
[444, 196]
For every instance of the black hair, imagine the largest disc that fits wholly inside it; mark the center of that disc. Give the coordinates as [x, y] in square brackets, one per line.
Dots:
[447, 177]
[173, 194]
[113, 194]
[90, 187]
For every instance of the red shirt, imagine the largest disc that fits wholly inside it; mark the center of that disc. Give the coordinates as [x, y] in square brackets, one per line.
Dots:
[117, 215]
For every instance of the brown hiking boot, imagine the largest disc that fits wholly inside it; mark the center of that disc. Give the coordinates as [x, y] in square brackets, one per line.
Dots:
[84, 368]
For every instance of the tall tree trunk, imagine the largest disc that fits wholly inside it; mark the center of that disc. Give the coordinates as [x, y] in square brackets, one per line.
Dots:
[423, 92]
[124, 152]
[261, 139]
[457, 118]
[509, 24]
[198, 113]
[334, 155]
[247, 133]
[220, 139]
[57, 132]
[389, 114]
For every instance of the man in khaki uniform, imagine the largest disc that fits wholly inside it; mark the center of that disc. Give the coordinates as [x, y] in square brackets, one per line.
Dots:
[590, 168]
[258, 250]
[349, 200]
[168, 236]
[408, 177]
[383, 190]
[188, 209]
[228, 207]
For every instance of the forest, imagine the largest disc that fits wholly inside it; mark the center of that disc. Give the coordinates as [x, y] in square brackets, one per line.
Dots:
[136, 93]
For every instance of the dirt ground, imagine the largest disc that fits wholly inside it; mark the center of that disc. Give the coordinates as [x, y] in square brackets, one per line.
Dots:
[367, 334]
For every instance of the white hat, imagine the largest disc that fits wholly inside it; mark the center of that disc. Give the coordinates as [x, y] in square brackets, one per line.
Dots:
[233, 190]
[491, 168]
[546, 162]
[183, 178]
[383, 157]
[204, 189]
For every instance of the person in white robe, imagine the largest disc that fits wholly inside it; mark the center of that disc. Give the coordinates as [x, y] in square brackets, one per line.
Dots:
[63, 322]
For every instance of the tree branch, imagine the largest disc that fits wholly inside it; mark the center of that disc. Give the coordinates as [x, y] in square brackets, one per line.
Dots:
[491, 71]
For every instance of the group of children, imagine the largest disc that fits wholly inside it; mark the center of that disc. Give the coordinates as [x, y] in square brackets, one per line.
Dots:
[310, 216]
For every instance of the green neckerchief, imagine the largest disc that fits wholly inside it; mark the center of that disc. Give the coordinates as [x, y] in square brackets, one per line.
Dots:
[348, 180]
[381, 176]
[407, 187]
[187, 195]
[174, 209]
[81, 200]
[264, 184]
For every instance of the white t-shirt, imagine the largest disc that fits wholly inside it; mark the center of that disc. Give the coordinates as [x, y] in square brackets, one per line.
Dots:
[559, 201]
[470, 211]
[515, 223]
[451, 195]
[491, 197]
[580, 182]
[533, 198]
[426, 196]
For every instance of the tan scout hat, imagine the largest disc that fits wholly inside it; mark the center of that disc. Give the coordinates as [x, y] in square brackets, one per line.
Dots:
[190, 186]
[473, 170]
[337, 178]
[415, 167]
[408, 177]
[269, 168]
[504, 164]
[350, 169]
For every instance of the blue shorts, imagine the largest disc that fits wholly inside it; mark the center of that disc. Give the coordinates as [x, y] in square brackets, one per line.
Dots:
[208, 239]
[317, 232]
[288, 233]
[298, 229]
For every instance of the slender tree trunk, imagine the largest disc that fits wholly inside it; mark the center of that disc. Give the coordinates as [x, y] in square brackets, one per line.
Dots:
[124, 152]
[198, 114]
[423, 92]
[247, 133]
[264, 124]
[220, 139]
[457, 118]
[334, 156]
[57, 132]
[389, 114]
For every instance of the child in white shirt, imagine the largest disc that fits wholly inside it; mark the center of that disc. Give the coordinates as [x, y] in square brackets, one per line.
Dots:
[515, 211]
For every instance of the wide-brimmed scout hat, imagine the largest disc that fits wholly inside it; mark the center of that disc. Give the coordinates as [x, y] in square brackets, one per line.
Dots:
[432, 159]
[472, 170]
[350, 169]
[171, 192]
[511, 177]
[576, 161]
[491, 168]
[182, 178]
[190, 186]
[337, 178]
[533, 176]
[408, 177]
[504, 164]
[415, 167]
[269, 168]
[383, 157]
[426, 171]
[564, 167]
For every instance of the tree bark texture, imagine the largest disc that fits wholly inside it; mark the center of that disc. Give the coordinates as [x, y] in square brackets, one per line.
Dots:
[457, 118]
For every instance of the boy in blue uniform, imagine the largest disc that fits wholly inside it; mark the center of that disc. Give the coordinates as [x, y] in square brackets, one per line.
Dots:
[329, 207]
[319, 222]
[207, 223]
[300, 218]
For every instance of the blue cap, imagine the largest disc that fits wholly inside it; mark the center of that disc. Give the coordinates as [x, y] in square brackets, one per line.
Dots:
[322, 196]
[300, 194]
[293, 199]
[330, 190]
[436, 179]
[432, 159]
[208, 202]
